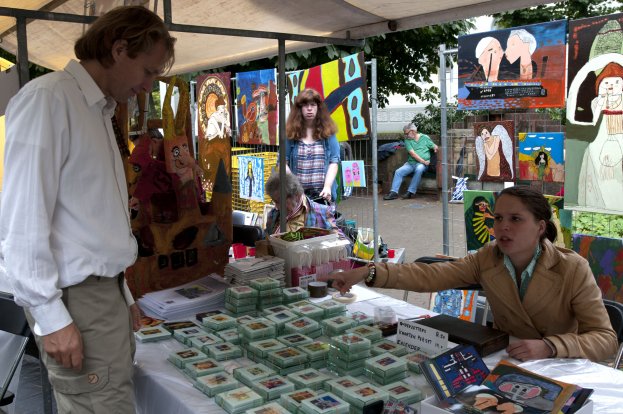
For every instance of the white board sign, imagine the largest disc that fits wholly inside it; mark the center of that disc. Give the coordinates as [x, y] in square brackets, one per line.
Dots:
[420, 338]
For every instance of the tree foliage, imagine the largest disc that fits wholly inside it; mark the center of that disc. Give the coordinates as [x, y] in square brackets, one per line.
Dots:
[403, 59]
[570, 9]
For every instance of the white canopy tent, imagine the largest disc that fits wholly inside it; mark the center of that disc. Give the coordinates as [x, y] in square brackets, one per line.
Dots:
[242, 30]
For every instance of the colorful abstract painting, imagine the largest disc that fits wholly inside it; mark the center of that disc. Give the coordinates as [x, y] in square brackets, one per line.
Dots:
[478, 207]
[594, 142]
[495, 150]
[342, 84]
[605, 257]
[353, 173]
[256, 95]
[522, 67]
[214, 120]
[461, 304]
[251, 178]
[541, 156]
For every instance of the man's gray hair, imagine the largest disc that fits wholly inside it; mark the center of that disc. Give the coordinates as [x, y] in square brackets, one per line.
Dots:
[293, 187]
[526, 37]
[410, 127]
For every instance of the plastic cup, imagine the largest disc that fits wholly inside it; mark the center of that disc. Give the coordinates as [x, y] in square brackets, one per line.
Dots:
[240, 250]
[251, 252]
[391, 253]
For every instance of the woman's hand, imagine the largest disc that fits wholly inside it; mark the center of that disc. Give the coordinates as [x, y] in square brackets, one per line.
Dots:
[326, 193]
[526, 349]
[343, 281]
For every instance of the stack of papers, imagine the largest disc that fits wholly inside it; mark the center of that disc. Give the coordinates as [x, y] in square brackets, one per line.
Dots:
[202, 295]
[243, 271]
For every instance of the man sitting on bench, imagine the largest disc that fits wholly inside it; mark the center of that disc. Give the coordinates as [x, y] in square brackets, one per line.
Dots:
[418, 146]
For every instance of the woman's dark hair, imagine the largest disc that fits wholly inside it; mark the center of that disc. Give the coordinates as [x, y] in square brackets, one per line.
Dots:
[324, 126]
[138, 26]
[536, 160]
[535, 203]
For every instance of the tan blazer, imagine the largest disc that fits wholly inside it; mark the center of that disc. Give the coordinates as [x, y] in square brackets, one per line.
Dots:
[562, 303]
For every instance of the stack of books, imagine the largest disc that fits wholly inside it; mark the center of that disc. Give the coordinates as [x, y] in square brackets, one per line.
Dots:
[191, 298]
[243, 271]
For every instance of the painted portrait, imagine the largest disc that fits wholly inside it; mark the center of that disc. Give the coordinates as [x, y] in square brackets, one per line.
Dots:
[251, 177]
[522, 67]
[594, 147]
[605, 258]
[214, 122]
[495, 150]
[541, 156]
[478, 207]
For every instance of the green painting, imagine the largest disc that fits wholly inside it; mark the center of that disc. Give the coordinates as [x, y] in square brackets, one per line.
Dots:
[478, 218]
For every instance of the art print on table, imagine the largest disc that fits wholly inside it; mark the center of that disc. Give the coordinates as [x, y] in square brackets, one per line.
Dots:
[343, 86]
[251, 178]
[495, 150]
[541, 156]
[527, 388]
[353, 173]
[256, 95]
[453, 302]
[605, 258]
[594, 143]
[479, 218]
[521, 67]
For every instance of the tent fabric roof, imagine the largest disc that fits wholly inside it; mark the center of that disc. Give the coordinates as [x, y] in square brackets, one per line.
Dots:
[50, 43]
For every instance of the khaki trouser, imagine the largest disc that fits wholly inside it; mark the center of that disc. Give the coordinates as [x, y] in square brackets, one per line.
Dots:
[104, 385]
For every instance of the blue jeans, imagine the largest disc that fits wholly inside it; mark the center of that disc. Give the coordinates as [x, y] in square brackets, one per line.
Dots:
[416, 169]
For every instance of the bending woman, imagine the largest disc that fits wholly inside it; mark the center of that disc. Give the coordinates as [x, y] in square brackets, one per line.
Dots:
[544, 295]
[312, 150]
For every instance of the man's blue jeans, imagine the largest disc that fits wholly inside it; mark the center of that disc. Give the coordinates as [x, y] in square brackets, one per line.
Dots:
[416, 169]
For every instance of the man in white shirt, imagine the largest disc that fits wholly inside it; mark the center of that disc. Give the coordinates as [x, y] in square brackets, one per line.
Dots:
[65, 227]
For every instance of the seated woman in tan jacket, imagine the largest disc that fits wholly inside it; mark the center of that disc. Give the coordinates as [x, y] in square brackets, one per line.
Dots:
[544, 295]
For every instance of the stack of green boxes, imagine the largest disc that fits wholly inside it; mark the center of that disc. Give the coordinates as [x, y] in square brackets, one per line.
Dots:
[386, 345]
[364, 395]
[310, 377]
[401, 391]
[348, 354]
[239, 400]
[324, 403]
[294, 294]
[272, 387]
[269, 292]
[317, 353]
[258, 350]
[240, 300]
[287, 360]
[303, 326]
[260, 328]
[386, 368]
[250, 374]
[216, 383]
[338, 386]
[332, 308]
[292, 400]
[337, 325]
[369, 332]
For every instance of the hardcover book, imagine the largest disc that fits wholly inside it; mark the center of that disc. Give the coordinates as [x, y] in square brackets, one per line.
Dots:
[454, 370]
[530, 389]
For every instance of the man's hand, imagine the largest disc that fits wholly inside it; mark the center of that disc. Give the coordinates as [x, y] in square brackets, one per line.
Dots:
[526, 349]
[326, 193]
[343, 281]
[136, 314]
[65, 346]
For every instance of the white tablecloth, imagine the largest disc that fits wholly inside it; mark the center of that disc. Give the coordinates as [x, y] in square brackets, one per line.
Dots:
[162, 388]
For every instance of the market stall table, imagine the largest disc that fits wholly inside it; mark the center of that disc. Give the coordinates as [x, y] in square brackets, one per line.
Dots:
[161, 388]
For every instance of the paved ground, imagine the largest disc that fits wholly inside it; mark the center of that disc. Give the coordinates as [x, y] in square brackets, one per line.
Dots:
[415, 224]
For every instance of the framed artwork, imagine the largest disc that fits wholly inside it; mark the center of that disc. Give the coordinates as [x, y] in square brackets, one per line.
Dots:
[605, 257]
[478, 207]
[214, 121]
[461, 304]
[251, 177]
[256, 95]
[267, 210]
[343, 86]
[541, 156]
[594, 143]
[353, 173]
[495, 150]
[563, 236]
[522, 67]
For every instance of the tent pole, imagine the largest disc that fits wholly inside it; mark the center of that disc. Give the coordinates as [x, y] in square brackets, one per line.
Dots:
[375, 163]
[444, 149]
[281, 80]
[22, 52]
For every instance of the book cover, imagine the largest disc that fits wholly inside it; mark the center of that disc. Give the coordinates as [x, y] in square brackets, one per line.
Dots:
[528, 388]
[454, 370]
[481, 399]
